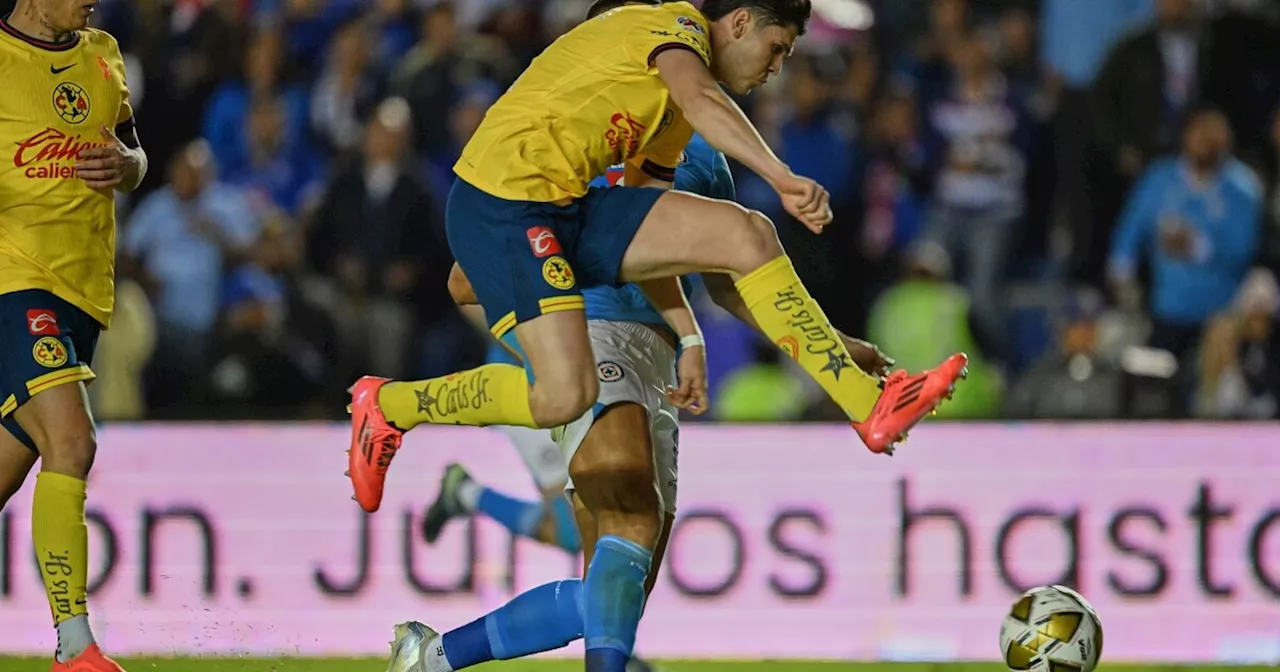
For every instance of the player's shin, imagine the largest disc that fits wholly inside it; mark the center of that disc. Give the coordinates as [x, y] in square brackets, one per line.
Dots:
[62, 548]
[614, 596]
[796, 323]
[542, 619]
[493, 394]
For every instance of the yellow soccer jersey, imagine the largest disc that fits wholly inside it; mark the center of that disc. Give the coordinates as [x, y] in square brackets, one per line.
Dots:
[590, 100]
[56, 234]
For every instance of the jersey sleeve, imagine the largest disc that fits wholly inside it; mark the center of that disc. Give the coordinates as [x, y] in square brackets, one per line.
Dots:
[660, 158]
[674, 25]
[113, 63]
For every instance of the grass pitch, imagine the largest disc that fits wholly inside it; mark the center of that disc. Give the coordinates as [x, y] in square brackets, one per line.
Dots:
[376, 665]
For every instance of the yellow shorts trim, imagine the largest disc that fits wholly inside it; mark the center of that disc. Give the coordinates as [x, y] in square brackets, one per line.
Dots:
[503, 325]
[560, 304]
[555, 304]
[10, 405]
[80, 372]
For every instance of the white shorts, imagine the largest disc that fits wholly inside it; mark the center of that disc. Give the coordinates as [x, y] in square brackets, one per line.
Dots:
[541, 455]
[634, 365]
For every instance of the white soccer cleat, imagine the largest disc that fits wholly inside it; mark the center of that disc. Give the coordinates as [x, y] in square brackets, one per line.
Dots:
[412, 638]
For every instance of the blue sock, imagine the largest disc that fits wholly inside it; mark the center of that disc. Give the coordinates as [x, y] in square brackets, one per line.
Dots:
[613, 600]
[541, 619]
[567, 536]
[517, 515]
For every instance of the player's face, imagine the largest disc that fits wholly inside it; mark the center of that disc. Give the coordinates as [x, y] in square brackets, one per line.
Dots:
[65, 16]
[753, 53]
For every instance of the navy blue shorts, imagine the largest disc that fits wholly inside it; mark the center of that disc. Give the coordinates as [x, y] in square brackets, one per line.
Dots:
[526, 259]
[44, 342]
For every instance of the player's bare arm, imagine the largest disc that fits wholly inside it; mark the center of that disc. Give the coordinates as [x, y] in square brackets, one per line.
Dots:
[714, 115]
[120, 164]
[724, 294]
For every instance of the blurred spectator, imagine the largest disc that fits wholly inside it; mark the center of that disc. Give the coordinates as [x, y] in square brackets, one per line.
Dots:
[395, 26]
[272, 352]
[347, 89]
[376, 236]
[122, 355]
[931, 68]
[1140, 101]
[1197, 217]
[437, 70]
[226, 120]
[178, 242]
[923, 319]
[287, 176]
[895, 180]
[977, 145]
[1240, 361]
[1074, 381]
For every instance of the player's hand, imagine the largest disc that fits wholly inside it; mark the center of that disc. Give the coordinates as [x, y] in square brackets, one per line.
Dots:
[867, 356]
[805, 200]
[109, 166]
[691, 372]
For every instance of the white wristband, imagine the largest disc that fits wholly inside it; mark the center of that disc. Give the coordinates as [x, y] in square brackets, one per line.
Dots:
[692, 341]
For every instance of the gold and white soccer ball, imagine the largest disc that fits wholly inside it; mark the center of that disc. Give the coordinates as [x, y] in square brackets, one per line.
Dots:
[1051, 629]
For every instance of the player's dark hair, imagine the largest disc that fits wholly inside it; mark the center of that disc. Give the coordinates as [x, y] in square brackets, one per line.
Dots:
[785, 13]
[601, 6]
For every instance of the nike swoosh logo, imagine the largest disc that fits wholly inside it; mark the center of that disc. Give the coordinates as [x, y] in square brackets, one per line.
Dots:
[59, 71]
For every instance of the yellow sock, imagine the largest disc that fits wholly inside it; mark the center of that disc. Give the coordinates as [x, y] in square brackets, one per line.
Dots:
[794, 321]
[494, 394]
[62, 543]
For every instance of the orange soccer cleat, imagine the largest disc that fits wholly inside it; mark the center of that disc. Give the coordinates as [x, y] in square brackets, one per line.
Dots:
[90, 660]
[906, 400]
[374, 442]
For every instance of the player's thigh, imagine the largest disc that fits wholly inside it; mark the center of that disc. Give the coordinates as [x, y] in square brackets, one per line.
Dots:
[16, 461]
[46, 346]
[684, 233]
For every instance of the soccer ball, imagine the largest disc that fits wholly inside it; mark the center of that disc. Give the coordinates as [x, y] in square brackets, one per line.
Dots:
[1051, 629]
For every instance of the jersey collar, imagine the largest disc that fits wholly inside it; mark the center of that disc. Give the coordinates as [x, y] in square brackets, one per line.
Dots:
[36, 42]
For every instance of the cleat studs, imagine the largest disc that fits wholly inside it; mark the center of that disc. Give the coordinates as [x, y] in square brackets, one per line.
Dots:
[348, 409]
[353, 498]
[347, 474]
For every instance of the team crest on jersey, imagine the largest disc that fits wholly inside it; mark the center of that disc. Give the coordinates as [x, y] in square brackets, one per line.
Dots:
[49, 352]
[71, 102]
[689, 24]
[610, 372]
[557, 272]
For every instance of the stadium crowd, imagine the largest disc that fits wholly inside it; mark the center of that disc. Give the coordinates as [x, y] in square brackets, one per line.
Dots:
[1082, 194]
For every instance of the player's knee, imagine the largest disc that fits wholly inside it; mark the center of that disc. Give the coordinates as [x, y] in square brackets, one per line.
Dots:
[755, 242]
[69, 453]
[556, 403]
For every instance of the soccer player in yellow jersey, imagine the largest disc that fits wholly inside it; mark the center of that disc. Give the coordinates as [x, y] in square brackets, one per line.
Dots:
[629, 86]
[66, 121]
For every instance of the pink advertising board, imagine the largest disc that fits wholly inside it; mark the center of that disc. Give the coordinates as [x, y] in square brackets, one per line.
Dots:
[793, 542]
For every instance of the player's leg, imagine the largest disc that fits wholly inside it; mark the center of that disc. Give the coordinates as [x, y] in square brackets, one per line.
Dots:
[548, 520]
[51, 411]
[526, 284]
[684, 233]
[16, 460]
